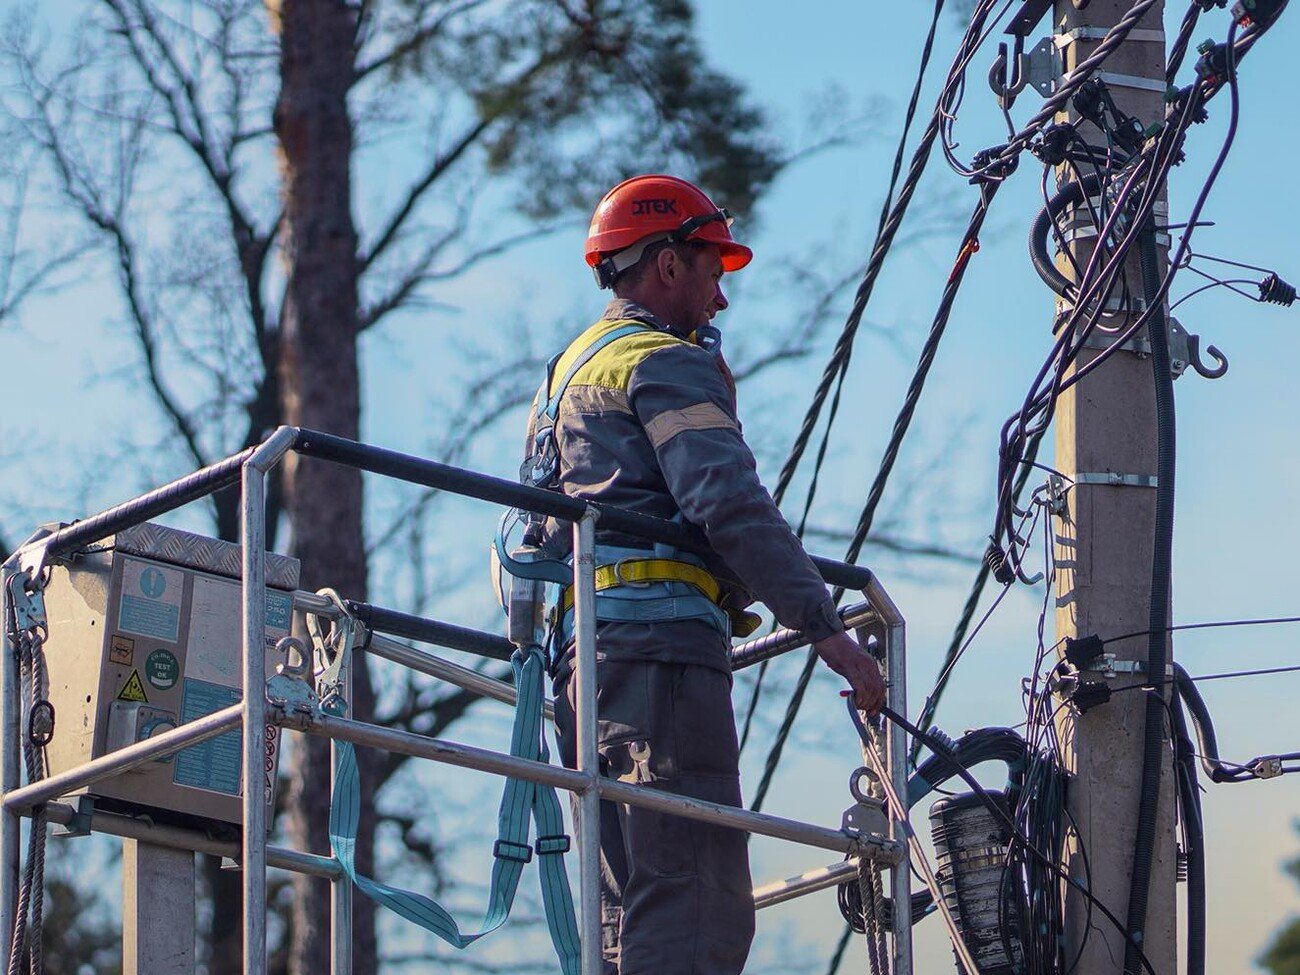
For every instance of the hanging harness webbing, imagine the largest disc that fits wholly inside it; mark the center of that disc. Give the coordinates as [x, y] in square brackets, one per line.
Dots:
[520, 802]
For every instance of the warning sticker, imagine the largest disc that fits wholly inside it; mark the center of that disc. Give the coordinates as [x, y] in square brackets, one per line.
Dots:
[121, 650]
[134, 689]
[151, 600]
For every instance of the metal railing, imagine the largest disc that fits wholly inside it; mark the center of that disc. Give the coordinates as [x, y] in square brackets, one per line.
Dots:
[877, 616]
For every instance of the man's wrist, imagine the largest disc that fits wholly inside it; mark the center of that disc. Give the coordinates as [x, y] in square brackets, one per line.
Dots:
[824, 622]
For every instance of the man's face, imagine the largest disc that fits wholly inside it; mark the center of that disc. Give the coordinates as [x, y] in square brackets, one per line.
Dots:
[700, 288]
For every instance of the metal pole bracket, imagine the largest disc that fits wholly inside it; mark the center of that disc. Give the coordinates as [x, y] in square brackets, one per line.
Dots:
[1116, 479]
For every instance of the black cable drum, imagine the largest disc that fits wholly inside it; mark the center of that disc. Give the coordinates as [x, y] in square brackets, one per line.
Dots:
[971, 847]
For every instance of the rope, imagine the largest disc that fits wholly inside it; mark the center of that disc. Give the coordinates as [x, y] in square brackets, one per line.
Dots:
[868, 884]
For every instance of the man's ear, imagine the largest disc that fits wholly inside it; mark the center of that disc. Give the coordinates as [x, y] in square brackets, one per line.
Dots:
[666, 263]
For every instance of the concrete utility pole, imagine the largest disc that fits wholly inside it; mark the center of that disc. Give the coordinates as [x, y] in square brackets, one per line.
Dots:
[1106, 426]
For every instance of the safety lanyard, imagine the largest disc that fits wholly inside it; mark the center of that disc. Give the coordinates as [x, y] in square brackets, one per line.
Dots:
[520, 802]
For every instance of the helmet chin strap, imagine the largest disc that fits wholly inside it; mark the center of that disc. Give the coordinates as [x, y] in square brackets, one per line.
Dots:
[614, 265]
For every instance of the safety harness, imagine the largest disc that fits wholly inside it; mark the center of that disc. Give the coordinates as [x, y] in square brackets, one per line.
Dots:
[632, 585]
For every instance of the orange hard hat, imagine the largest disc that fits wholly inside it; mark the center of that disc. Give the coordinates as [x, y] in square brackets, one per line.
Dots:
[645, 209]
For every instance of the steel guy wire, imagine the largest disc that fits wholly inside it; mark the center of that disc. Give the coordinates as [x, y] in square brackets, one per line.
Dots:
[893, 210]
[970, 242]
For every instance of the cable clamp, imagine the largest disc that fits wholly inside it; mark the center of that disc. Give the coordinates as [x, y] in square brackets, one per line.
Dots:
[1108, 666]
[1089, 232]
[1184, 348]
[1267, 768]
[1114, 308]
[27, 601]
[1116, 479]
[1133, 81]
[1147, 34]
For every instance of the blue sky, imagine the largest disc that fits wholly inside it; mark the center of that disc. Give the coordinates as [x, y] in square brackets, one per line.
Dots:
[1236, 525]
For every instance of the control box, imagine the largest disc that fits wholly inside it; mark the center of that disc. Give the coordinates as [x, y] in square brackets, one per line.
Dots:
[145, 634]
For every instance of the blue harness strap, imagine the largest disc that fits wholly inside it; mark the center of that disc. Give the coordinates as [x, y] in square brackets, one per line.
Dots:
[520, 802]
[552, 396]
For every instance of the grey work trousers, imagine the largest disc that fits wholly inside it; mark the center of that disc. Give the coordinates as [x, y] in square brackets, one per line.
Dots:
[676, 895]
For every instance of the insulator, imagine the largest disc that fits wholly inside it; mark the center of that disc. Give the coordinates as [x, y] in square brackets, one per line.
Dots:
[971, 849]
[1275, 291]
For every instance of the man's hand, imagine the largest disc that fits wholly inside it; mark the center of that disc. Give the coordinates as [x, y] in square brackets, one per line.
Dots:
[842, 654]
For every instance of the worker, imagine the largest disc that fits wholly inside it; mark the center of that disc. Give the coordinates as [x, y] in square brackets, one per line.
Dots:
[645, 420]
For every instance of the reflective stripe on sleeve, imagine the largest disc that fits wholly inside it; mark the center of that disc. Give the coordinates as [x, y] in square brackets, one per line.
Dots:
[594, 399]
[701, 416]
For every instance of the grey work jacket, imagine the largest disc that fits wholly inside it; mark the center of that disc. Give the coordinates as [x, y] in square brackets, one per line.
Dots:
[649, 424]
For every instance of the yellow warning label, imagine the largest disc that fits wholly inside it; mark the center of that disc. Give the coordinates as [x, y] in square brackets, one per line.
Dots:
[134, 689]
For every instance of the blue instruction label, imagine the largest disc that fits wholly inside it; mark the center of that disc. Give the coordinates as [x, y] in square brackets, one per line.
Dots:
[151, 600]
[213, 765]
[150, 617]
[278, 607]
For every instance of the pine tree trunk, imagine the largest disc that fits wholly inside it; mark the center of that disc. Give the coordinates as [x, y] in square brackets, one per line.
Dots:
[320, 390]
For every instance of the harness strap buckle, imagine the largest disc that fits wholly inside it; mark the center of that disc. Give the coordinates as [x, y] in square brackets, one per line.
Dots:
[506, 850]
[634, 583]
[549, 845]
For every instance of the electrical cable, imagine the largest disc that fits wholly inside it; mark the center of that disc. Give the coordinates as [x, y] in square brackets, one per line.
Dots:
[1178, 50]
[1158, 606]
[940, 750]
[958, 643]
[892, 212]
[891, 220]
[1159, 157]
[1193, 840]
[1214, 624]
[970, 243]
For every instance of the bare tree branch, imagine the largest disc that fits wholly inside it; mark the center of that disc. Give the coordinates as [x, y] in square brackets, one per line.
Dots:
[79, 187]
[895, 544]
[421, 272]
[394, 224]
[414, 39]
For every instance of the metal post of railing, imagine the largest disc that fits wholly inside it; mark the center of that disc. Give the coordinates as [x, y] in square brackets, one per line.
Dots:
[341, 885]
[896, 749]
[10, 730]
[253, 539]
[584, 632]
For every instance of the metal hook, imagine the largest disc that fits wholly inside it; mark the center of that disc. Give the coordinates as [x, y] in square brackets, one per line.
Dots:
[1008, 88]
[1194, 357]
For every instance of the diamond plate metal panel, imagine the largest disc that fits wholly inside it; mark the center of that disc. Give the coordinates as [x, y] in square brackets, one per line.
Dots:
[200, 552]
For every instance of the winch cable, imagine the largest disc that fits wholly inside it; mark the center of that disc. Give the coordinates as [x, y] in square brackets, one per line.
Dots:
[899, 812]
[969, 245]
[26, 949]
[892, 212]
